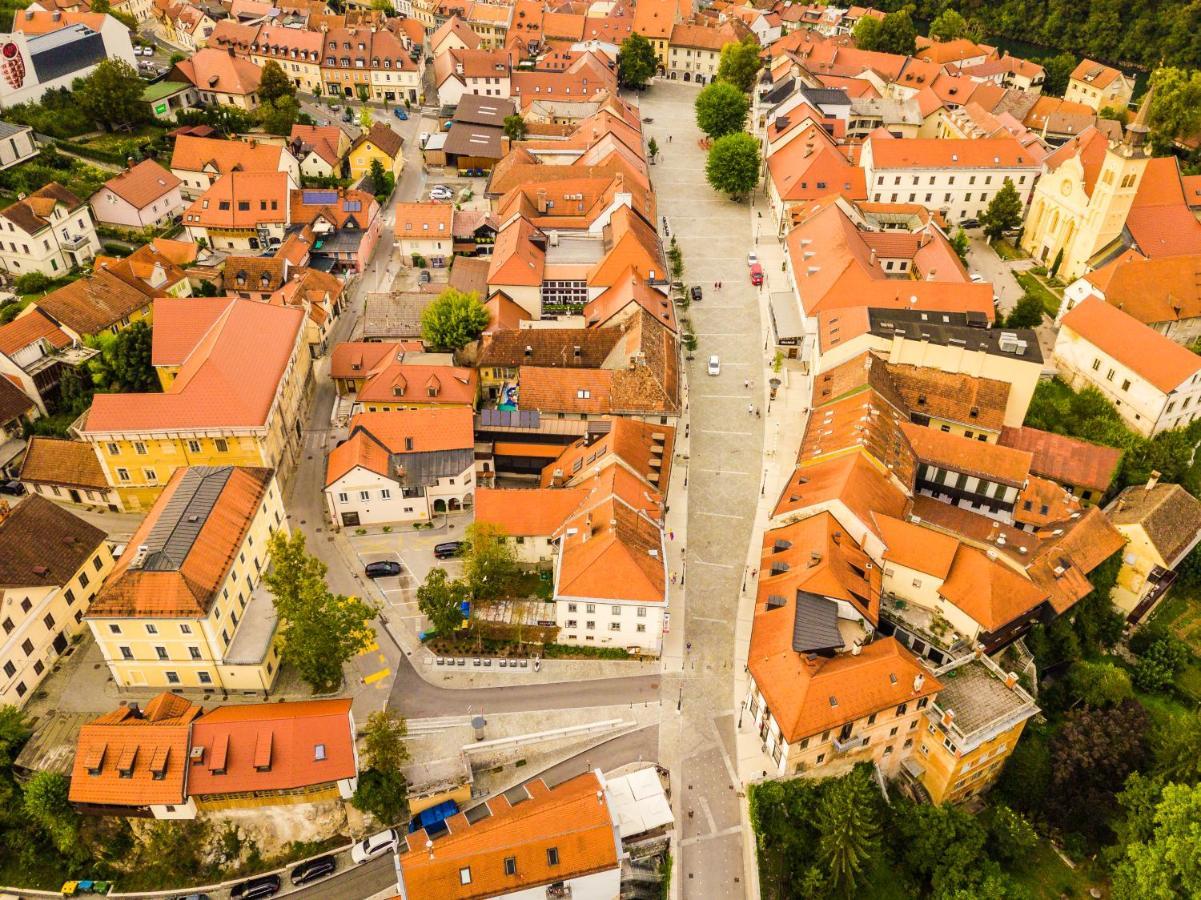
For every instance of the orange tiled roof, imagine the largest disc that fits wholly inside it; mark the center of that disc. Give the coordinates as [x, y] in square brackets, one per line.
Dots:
[358, 359]
[143, 184]
[989, 591]
[197, 154]
[625, 292]
[181, 580]
[1095, 74]
[242, 200]
[61, 462]
[399, 382]
[572, 818]
[644, 448]
[1161, 361]
[423, 221]
[853, 479]
[272, 747]
[24, 330]
[151, 746]
[375, 437]
[1065, 459]
[615, 553]
[1164, 289]
[528, 512]
[1160, 220]
[920, 153]
[1063, 564]
[917, 547]
[962, 454]
[211, 69]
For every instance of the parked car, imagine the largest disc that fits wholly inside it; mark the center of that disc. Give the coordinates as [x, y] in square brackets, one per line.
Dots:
[400, 113]
[310, 871]
[714, 365]
[13, 488]
[695, 293]
[970, 223]
[424, 277]
[148, 51]
[447, 549]
[383, 568]
[442, 193]
[756, 273]
[254, 888]
[191, 897]
[376, 845]
[348, 115]
[977, 278]
[752, 258]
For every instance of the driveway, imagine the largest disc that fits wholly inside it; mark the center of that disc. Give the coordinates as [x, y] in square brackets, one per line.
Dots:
[697, 743]
[982, 259]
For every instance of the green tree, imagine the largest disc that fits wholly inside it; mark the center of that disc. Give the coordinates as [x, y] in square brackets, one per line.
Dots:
[1157, 667]
[721, 109]
[46, 802]
[515, 129]
[384, 796]
[1175, 107]
[362, 92]
[1099, 683]
[898, 34]
[846, 820]
[636, 62]
[206, 289]
[1026, 313]
[112, 94]
[1057, 72]
[383, 181]
[124, 364]
[1166, 865]
[1011, 837]
[944, 845]
[489, 563]
[319, 630]
[15, 730]
[365, 116]
[652, 148]
[440, 600]
[274, 83]
[733, 164]
[1004, 212]
[279, 115]
[453, 321]
[384, 741]
[867, 33]
[960, 243]
[1178, 748]
[739, 63]
[948, 26]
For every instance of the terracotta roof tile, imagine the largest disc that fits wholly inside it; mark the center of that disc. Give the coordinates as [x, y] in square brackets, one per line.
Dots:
[953, 451]
[62, 462]
[615, 553]
[528, 512]
[974, 402]
[196, 154]
[917, 547]
[642, 447]
[143, 184]
[211, 69]
[24, 330]
[1065, 459]
[242, 200]
[95, 303]
[42, 543]
[33, 213]
[989, 591]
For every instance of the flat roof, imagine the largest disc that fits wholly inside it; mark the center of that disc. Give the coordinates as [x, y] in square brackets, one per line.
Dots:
[955, 328]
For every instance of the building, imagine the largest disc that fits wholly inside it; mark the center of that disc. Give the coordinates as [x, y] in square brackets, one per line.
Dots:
[654, 20]
[51, 231]
[236, 375]
[166, 99]
[529, 841]
[345, 227]
[135, 762]
[1099, 86]
[694, 51]
[529, 517]
[221, 78]
[199, 162]
[403, 466]
[972, 727]
[185, 26]
[378, 144]
[49, 50]
[957, 178]
[468, 71]
[297, 51]
[103, 302]
[143, 196]
[1087, 470]
[34, 352]
[68, 472]
[1162, 524]
[17, 410]
[16, 145]
[242, 211]
[371, 63]
[184, 608]
[320, 149]
[1154, 383]
[268, 754]
[51, 564]
[425, 231]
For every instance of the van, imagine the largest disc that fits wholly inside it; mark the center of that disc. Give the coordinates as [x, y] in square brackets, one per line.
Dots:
[756, 274]
[447, 549]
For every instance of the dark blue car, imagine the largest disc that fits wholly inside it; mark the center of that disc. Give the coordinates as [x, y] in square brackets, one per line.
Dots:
[401, 114]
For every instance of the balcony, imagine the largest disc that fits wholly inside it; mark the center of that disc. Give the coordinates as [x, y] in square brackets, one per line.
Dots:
[74, 242]
[926, 624]
[850, 745]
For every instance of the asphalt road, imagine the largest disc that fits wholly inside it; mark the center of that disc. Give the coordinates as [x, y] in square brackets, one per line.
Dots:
[354, 881]
[637, 746]
[416, 698]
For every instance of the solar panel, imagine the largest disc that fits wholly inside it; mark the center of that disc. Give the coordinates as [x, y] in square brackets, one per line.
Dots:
[178, 526]
[319, 197]
[352, 206]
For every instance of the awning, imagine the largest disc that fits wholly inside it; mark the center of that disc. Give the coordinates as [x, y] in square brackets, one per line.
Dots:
[785, 316]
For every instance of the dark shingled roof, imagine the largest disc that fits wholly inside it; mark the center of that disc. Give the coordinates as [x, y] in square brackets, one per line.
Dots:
[32, 213]
[1169, 514]
[43, 544]
[13, 401]
[816, 624]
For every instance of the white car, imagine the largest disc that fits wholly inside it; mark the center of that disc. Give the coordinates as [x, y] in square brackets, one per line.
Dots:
[423, 138]
[442, 193]
[376, 845]
[714, 365]
[977, 278]
[751, 259]
[148, 51]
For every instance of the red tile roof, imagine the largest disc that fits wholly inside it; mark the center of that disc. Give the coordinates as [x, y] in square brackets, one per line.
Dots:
[143, 184]
[1065, 459]
[34, 326]
[528, 512]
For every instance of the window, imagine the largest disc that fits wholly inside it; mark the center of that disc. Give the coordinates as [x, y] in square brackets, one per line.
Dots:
[162, 652]
[821, 758]
[126, 653]
[194, 652]
[615, 626]
[221, 444]
[185, 629]
[343, 498]
[510, 865]
[1096, 364]
[114, 629]
[921, 704]
[194, 446]
[1126, 385]
[589, 607]
[552, 856]
[113, 449]
[571, 607]
[152, 629]
[205, 677]
[871, 720]
[48, 621]
[641, 612]
[9, 626]
[172, 678]
[385, 494]
[590, 625]
[123, 474]
[465, 875]
[9, 669]
[364, 495]
[139, 448]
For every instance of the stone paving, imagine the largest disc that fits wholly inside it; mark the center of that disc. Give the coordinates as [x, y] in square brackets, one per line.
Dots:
[723, 445]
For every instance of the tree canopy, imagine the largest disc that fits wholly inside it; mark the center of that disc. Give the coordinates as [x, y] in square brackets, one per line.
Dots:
[515, 129]
[123, 364]
[739, 63]
[1165, 865]
[279, 115]
[895, 33]
[274, 83]
[636, 62]
[319, 630]
[489, 562]
[721, 108]
[847, 822]
[733, 164]
[1175, 107]
[454, 320]
[949, 25]
[1004, 211]
[440, 600]
[112, 94]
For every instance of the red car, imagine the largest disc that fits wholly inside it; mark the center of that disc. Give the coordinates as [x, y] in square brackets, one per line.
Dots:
[756, 274]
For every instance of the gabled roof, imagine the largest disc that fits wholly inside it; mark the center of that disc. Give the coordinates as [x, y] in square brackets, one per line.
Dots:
[852, 479]
[182, 552]
[143, 184]
[377, 437]
[1170, 516]
[1164, 289]
[33, 213]
[953, 451]
[517, 257]
[151, 746]
[810, 166]
[1160, 221]
[1095, 74]
[324, 140]
[1161, 361]
[644, 448]
[612, 552]
[384, 139]
[34, 326]
[626, 293]
[574, 819]
[92, 304]
[242, 200]
[272, 747]
[211, 69]
[43, 544]
[460, 29]
[916, 546]
[399, 382]
[923, 153]
[989, 591]
[571, 348]
[197, 154]
[230, 378]
[1089, 147]
[1065, 459]
[528, 512]
[62, 462]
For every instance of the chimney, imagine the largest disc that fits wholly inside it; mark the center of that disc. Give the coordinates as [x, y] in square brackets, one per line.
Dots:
[541, 201]
[918, 681]
[978, 651]
[1152, 480]
[948, 717]
[1011, 680]
[872, 260]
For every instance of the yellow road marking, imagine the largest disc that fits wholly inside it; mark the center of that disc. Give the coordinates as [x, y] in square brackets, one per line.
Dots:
[377, 676]
[383, 659]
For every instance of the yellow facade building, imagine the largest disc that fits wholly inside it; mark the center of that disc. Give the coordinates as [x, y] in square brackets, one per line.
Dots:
[379, 143]
[184, 606]
[236, 376]
[969, 730]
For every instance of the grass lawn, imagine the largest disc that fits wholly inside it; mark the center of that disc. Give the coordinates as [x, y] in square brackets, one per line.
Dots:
[1180, 613]
[118, 140]
[1006, 250]
[1045, 875]
[1031, 285]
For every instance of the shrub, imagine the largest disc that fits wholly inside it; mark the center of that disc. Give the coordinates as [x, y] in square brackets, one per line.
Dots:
[32, 283]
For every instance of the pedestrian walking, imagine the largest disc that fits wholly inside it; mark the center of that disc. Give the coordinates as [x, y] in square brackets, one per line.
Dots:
[669, 139]
[746, 384]
[673, 577]
[758, 415]
[688, 646]
[750, 409]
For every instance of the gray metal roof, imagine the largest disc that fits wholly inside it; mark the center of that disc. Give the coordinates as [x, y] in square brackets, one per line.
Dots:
[179, 524]
[816, 624]
[8, 130]
[826, 96]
